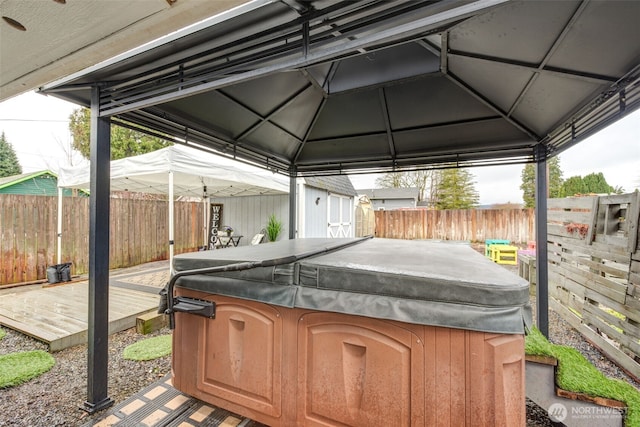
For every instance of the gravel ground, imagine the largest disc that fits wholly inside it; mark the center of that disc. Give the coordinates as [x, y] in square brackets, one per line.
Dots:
[54, 398]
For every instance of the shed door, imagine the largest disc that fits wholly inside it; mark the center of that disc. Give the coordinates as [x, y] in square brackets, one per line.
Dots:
[340, 216]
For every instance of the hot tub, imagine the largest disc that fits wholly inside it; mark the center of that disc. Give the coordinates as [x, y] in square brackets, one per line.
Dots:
[362, 332]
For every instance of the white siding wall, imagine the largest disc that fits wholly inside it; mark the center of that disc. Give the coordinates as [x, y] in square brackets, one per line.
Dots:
[248, 215]
[390, 204]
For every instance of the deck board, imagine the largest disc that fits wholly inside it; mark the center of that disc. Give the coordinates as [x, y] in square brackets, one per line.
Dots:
[58, 315]
[161, 405]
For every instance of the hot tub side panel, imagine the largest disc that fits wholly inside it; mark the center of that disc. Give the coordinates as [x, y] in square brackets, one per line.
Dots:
[237, 360]
[358, 371]
[286, 367]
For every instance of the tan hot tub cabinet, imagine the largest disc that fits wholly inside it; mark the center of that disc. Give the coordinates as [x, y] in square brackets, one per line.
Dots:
[358, 332]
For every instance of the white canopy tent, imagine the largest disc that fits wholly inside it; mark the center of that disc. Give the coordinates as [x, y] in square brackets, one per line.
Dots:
[177, 171]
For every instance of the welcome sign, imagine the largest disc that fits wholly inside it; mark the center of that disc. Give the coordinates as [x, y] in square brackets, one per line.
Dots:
[215, 219]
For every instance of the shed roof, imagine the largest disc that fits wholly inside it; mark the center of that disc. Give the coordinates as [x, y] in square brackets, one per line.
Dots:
[40, 183]
[331, 86]
[390, 193]
[339, 184]
[8, 181]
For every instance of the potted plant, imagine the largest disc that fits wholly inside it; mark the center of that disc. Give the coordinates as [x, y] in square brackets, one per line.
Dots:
[274, 228]
[228, 230]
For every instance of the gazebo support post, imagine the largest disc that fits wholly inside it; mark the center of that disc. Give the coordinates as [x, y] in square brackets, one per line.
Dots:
[292, 205]
[542, 274]
[171, 221]
[98, 305]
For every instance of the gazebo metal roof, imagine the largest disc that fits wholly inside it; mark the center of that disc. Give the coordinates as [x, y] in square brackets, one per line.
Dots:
[318, 87]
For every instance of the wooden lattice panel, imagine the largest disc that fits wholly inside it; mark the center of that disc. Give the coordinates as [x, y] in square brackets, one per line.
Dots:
[594, 271]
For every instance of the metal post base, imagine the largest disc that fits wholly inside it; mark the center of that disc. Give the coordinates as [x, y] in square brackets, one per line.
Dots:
[92, 408]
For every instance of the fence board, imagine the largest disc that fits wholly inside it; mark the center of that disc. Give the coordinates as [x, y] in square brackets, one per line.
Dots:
[569, 216]
[138, 233]
[571, 203]
[598, 250]
[516, 225]
[597, 275]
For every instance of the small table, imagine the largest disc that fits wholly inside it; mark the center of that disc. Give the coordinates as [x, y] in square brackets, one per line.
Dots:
[228, 241]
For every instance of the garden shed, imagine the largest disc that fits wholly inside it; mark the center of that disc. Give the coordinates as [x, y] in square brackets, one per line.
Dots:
[331, 87]
[41, 183]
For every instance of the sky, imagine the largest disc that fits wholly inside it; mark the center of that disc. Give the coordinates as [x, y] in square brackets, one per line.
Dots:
[37, 127]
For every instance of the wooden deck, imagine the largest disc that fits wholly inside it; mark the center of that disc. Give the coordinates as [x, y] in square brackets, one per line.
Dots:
[58, 314]
[159, 405]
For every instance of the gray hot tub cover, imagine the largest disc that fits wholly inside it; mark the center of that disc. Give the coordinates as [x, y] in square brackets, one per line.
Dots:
[417, 281]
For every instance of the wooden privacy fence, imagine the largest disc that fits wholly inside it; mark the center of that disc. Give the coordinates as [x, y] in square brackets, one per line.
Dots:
[139, 233]
[516, 225]
[594, 271]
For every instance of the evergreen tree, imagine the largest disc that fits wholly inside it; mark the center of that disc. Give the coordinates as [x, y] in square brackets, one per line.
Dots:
[9, 164]
[528, 185]
[594, 183]
[124, 142]
[573, 185]
[456, 190]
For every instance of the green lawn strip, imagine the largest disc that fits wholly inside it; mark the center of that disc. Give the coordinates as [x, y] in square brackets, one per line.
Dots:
[2, 333]
[148, 349]
[575, 373]
[18, 368]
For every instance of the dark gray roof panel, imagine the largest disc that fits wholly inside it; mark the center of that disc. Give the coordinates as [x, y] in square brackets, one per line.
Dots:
[383, 66]
[382, 85]
[467, 137]
[552, 90]
[588, 50]
[432, 101]
[373, 147]
[520, 31]
[348, 114]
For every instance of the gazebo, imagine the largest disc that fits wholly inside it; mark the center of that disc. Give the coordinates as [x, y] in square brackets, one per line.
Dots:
[330, 87]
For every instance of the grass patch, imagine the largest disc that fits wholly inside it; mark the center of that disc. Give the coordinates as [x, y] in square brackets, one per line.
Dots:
[575, 373]
[2, 333]
[18, 368]
[148, 349]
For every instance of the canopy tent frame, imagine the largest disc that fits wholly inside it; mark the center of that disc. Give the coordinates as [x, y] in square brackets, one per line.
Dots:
[198, 175]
